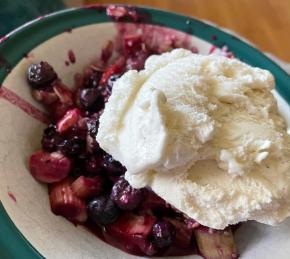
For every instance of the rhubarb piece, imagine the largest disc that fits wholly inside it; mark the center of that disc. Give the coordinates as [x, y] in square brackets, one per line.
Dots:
[65, 203]
[46, 96]
[85, 187]
[116, 12]
[115, 68]
[134, 231]
[136, 52]
[132, 44]
[216, 244]
[136, 62]
[64, 94]
[64, 101]
[49, 167]
[68, 120]
[120, 13]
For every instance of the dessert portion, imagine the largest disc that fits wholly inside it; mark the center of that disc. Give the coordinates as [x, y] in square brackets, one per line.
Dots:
[204, 133]
[162, 158]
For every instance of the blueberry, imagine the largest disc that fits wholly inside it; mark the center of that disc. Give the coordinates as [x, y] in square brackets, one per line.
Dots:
[94, 164]
[76, 172]
[40, 75]
[92, 81]
[50, 138]
[112, 166]
[125, 196]
[103, 211]
[78, 167]
[91, 99]
[163, 234]
[72, 147]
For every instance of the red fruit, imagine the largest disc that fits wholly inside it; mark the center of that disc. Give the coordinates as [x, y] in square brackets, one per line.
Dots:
[65, 95]
[132, 43]
[44, 96]
[133, 231]
[85, 187]
[129, 225]
[68, 120]
[137, 61]
[216, 244]
[49, 167]
[116, 12]
[183, 233]
[115, 68]
[63, 202]
[191, 223]
[57, 110]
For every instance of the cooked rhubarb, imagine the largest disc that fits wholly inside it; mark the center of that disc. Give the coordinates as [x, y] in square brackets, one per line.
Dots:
[216, 244]
[65, 203]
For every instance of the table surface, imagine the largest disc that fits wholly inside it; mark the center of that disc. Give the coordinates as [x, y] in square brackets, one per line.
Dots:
[266, 23]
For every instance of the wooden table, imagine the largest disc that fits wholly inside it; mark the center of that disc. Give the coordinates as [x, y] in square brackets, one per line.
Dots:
[266, 23]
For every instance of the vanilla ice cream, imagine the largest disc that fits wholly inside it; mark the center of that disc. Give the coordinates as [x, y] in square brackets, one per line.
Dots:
[205, 134]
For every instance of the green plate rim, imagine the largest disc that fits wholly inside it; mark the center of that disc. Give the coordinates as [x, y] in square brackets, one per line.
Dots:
[12, 243]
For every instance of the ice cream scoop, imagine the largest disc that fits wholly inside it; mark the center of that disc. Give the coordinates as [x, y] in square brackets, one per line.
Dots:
[205, 134]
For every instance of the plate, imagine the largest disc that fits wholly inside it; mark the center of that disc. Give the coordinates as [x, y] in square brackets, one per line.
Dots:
[28, 228]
